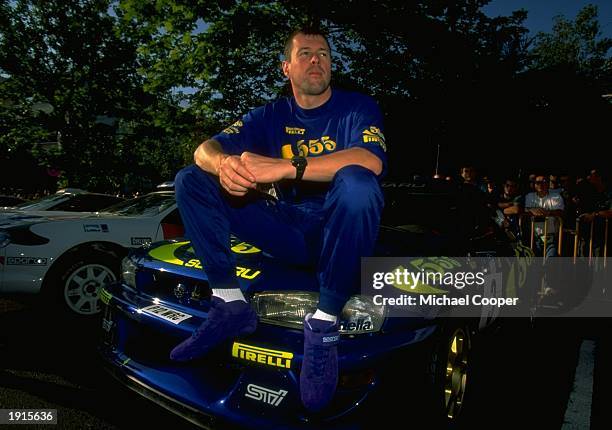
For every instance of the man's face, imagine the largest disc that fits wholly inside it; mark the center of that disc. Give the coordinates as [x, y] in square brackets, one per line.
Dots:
[541, 184]
[309, 68]
[510, 188]
[553, 181]
[468, 174]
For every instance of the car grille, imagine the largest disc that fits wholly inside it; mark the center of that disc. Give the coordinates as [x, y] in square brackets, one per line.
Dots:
[174, 288]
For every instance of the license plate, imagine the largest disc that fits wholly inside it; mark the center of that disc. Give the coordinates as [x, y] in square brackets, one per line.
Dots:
[168, 314]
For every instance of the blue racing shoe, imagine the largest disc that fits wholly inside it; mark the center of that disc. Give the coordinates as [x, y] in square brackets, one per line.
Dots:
[319, 375]
[225, 321]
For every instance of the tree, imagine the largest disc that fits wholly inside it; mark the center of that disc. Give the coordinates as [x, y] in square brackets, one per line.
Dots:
[434, 62]
[69, 58]
[577, 46]
[569, 71]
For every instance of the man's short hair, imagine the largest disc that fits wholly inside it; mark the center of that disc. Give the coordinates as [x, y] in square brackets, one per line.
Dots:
[307, 31]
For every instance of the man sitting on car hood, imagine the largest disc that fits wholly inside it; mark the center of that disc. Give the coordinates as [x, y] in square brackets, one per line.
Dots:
[320, 154]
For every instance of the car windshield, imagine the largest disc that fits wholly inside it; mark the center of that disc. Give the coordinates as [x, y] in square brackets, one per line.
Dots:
[435, 206]
[148, 205]
[42, 203]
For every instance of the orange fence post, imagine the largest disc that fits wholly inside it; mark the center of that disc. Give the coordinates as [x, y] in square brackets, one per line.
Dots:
[560, 247]
[532, 232]
[545, 238]
[591, 241]
[576, 237]
[605, 249]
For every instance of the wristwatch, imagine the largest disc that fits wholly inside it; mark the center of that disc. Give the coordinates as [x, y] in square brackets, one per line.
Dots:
[300, 164]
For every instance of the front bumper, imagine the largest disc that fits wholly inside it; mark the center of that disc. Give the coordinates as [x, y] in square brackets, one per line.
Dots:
[213, 392]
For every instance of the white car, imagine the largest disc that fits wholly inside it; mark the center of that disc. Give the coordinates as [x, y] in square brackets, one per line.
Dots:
[68, 256]
[67, 199]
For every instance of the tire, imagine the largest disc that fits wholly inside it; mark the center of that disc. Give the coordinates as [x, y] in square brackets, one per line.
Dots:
[449, 374]
[74, 285]
[415, 384]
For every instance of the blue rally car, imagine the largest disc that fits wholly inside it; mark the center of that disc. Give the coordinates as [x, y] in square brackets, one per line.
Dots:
[252, 382]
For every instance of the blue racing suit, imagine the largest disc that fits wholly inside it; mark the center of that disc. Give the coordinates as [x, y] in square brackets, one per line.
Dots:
[328, 226]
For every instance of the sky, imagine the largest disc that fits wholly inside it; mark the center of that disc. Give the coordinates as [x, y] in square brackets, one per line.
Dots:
[541, 12]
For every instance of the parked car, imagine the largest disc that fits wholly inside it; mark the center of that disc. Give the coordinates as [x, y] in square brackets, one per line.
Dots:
[387, 365]
[68, 256]
[70, 200]
[11, 201]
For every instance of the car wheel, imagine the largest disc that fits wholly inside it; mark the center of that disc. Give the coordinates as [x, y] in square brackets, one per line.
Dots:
[434, 379]
[450, 368]
[76, 284]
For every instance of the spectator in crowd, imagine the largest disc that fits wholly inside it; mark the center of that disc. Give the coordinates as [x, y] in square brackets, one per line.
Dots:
[511, 203]
[554, 184]
[531, 183]
[566, 182]
[596, 202]
[468, 175]
[567, 189]
[491, 187]
[542, 203]
[602, 194]
[490, 191]
[469, 178]
[585, 195]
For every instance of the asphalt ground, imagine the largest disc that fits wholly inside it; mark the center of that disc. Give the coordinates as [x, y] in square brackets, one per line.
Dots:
[553, 375]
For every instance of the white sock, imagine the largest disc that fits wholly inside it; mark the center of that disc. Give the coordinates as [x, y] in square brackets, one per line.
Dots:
[228, 294]
[320, 315]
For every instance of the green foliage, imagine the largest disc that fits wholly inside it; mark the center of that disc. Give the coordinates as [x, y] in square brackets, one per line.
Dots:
[135, 85]
[419, 59]
[577, 45]
[71, 58]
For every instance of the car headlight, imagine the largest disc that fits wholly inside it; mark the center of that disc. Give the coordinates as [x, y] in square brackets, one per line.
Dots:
[5, 239]
[288, 308]
[128, 271]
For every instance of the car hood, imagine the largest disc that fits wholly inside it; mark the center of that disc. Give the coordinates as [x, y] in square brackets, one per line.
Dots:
[255, 269]
[171, 273]
[163, 265]
[19, 218]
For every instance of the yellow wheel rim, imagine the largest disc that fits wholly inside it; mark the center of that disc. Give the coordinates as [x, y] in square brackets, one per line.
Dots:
[456, 373]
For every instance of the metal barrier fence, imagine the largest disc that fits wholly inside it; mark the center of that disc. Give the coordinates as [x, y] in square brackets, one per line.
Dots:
[590, 219]
[532, 220]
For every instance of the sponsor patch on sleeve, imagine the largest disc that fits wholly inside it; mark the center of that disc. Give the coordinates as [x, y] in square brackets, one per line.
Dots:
[234, 128]
[374, 135]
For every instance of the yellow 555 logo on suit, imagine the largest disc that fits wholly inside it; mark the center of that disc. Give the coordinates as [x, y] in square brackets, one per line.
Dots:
[310, 147]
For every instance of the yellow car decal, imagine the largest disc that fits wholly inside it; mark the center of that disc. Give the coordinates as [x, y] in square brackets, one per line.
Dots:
[166, 253]
[105, 296]
[245, 248]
